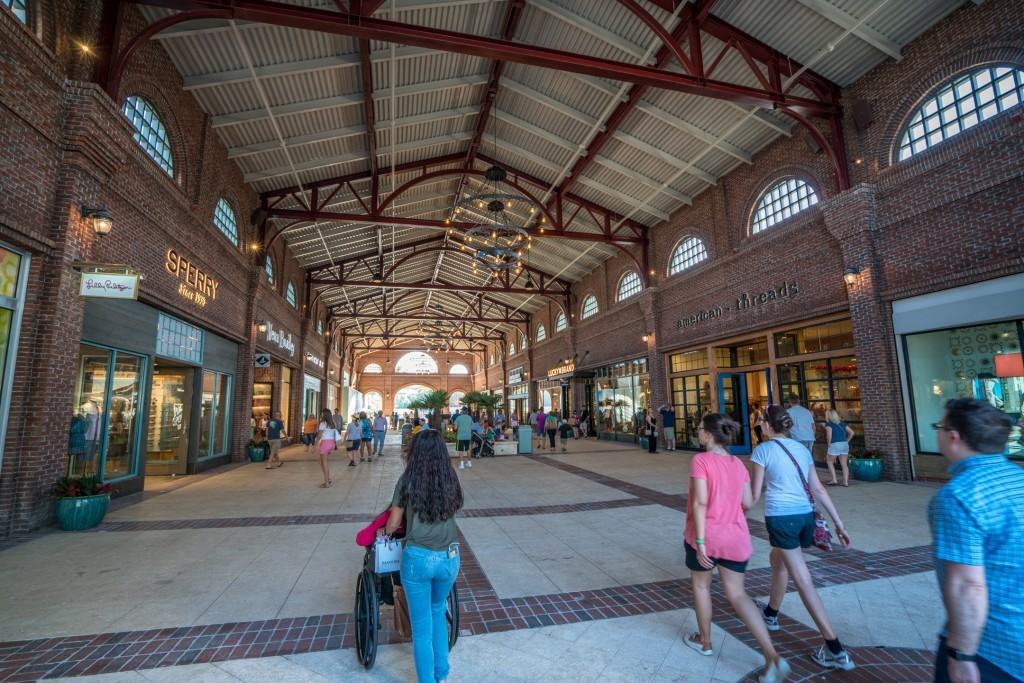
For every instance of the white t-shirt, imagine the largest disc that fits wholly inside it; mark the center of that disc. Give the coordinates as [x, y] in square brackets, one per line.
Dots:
[354, 432]
[785, 493]
[328, 433]
[803, 424]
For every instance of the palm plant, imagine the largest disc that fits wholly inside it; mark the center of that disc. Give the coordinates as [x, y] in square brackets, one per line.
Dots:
[435, 401]
[481, 400]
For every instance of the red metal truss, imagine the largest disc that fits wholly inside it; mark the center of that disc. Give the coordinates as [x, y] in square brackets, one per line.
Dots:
[539, 290]
[360, 27]
[378, 306]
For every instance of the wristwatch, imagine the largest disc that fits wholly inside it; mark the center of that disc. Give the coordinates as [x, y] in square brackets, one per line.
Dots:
[953, 653]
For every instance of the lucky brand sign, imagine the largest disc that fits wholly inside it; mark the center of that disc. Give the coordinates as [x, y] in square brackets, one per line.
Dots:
[108, 286]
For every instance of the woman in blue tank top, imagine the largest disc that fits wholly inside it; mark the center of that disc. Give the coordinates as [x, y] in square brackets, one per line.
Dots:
[837, 436]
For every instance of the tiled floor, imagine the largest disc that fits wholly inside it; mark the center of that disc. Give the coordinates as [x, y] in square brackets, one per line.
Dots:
[572, 570]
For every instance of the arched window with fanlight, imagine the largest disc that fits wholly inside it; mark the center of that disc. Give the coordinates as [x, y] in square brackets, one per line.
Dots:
[524, 342]
[781, 201]
[19, 8]
[511, 349]
[629, 285]
[589, 307]
[373, 369]
[268, 268]
[961, 103]
[542, 333]
[459, 369]
[319, 326]
[150, 132]
[290, 296]
[689, 252]
[561, 322]
[224, 220]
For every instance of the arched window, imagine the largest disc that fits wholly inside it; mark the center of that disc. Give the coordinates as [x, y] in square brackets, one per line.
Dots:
[224, 219]
[512, 349]
[319, 326]
[561, 322]
[416, 362]
[268, 268]
[290, 295]
[373, 369]
[18, 7]
[455, 401]
[542, 333]
[524, 342]
[960, 104]
[373, 402]
[589, 307]
[150, 132]
[689, 252]
[786, 198]
[492, 358]
[629, 285]
[459, 369]
[406, 394]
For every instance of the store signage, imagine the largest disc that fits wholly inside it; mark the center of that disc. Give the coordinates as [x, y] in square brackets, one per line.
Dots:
[316, 360]
[107, 286]
[196, 285]
[745, 301]
[262, 360]
[515, 376]
[566, 369]
[281, 339]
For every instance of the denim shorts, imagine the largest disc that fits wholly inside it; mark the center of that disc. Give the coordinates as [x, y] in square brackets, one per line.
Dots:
[789, 532]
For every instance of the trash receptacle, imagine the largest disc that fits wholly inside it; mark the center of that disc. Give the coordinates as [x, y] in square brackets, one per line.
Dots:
[525, 440]
[406, 434]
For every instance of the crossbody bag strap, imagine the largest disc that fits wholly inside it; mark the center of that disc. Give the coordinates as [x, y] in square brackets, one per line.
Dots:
[807, 488]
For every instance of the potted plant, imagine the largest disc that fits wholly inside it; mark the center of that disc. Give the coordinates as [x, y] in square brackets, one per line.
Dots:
[81, 502]
[257, 450]
[867, 466]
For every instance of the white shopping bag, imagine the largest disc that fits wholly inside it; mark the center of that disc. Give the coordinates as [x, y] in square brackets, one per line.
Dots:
[387, 555]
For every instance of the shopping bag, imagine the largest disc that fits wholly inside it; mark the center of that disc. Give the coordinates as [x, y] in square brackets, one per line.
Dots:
[402, 623]
[387, 555]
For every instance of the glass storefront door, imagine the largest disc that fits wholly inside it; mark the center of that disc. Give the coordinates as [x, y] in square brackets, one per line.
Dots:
[170, 413]
[759, 397]
[13, 274]
[105, 425]
[732, 401]
[214, 420]
[691, 399]
[262, 399]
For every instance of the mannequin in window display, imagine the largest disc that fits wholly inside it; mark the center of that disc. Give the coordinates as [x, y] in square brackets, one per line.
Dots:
[83, 438]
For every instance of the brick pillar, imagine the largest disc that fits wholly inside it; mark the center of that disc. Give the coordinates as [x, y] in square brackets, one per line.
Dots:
[245, 372]
[655, 359]
[852, 219]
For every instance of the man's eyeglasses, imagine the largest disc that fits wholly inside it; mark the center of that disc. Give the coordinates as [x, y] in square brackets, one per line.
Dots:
[939, 427]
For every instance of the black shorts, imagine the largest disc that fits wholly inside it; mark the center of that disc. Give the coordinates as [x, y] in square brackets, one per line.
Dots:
[367, 439]
[789, 532]
[353, 446]
[694, 566]
[463, 445]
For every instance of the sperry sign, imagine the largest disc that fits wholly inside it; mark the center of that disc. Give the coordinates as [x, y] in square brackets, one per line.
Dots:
[195, 284]
[745, 301]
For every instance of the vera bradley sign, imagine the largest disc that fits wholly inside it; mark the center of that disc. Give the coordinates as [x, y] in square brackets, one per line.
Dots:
[109, 286]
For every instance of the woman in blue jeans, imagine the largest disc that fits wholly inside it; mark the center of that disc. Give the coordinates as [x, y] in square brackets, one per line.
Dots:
[426, 499]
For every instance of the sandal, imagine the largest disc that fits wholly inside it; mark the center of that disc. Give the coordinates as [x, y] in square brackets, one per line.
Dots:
[694, 642]
[833, 483]
[324, 485]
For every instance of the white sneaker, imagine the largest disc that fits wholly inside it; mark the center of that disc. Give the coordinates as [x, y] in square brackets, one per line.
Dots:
[841, 660]
[698, 646]
[469, 464]
[772, 623]
[462, 465]
[775, 673]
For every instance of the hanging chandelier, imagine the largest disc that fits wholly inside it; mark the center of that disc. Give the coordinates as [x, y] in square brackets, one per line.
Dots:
[498, 243]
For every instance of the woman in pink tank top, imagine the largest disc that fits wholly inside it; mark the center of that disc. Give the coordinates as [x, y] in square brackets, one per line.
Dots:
[716, 535]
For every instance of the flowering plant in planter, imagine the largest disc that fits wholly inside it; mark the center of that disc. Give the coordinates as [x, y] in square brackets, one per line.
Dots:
[867, 465]
[75, 487]
[81, 502]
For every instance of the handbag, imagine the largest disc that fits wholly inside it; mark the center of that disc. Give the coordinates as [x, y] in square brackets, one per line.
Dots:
[822, 535]
[402, 623]
[387, 555]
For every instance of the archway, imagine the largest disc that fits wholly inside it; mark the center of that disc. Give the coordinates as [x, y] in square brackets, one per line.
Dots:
[373, 402]
[416, 363]
[455, 401]
[406, 394]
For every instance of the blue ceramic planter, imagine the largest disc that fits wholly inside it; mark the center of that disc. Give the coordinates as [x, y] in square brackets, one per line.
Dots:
[866, 469]
[257, 453]
[83, 512]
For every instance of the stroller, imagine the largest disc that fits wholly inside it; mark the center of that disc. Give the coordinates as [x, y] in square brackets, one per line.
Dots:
[373, 590]
[482, 446]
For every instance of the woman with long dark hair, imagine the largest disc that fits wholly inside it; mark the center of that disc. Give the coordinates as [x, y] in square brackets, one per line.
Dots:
[788, 468]
[717, 535]
[426, 499]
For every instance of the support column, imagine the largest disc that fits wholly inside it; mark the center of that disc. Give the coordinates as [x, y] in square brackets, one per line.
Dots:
[245, 372]
[655, 359]
[852, 218]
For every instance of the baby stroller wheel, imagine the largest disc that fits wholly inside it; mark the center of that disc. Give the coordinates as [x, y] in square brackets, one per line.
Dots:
[451, 614]
[367, 615]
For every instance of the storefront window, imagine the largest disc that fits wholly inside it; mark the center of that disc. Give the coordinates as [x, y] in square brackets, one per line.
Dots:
[13, 271]
[691, 360]
[262, 394]
[213, 436]
[815, 339]
[169, 420]
[285, 402]
[754, 352]
[311, 397]
[691, 398]
[829, 383]
[103, 438]
[982, 362]
[621, 394]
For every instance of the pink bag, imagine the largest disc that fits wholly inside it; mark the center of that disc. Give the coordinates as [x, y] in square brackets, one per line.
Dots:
[365, 537]
[822, 535]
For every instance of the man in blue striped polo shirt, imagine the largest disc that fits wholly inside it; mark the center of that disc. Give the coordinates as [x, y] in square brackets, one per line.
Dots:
[977, 521]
